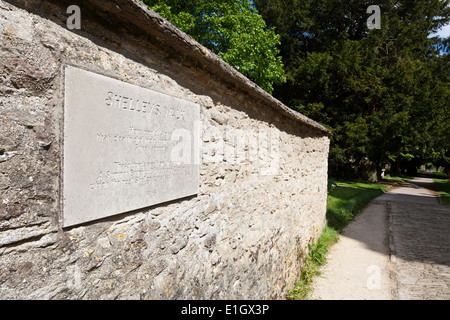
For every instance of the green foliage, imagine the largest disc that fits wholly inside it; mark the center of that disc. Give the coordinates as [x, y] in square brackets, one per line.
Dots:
[440, 175]
[344, 201]
[233, 30]
[383, 93]
[315, 258]
[444, 190]
[400, 179]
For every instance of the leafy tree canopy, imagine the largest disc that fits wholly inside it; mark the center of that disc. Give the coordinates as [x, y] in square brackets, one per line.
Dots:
[383, 92]
[234, 30]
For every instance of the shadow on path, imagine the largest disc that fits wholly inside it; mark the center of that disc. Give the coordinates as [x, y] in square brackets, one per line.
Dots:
[398, 247]
[419, 226]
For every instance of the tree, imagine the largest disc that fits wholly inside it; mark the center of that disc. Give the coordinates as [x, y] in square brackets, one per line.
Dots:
[383, 93]
[234, 30]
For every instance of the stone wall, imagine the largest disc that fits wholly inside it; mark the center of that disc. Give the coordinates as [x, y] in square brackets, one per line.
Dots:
[240, 237]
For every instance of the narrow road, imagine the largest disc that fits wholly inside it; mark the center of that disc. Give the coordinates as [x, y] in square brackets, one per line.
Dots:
[398, 247]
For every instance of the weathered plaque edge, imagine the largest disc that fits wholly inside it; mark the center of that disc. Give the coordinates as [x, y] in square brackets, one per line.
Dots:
[76, 222]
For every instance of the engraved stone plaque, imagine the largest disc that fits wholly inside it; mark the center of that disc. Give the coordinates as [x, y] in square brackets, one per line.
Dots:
[125, 147]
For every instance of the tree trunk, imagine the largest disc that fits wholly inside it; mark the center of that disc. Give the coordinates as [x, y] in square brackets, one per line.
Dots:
[395, 169]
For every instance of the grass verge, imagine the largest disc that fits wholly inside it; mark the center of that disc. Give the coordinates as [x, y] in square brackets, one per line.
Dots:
[397, 179]
[443, 188]
[311, 264]
[345, 200]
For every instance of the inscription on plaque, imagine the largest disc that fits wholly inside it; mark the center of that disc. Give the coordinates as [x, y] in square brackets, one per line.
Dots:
[122, 146]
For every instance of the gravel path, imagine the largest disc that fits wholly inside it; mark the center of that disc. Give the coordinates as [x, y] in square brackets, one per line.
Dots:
[398, 247]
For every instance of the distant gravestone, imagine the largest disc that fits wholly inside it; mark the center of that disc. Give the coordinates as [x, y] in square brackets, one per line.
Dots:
[123, 147]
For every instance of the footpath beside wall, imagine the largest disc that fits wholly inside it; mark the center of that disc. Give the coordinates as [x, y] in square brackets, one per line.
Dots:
[229, 220]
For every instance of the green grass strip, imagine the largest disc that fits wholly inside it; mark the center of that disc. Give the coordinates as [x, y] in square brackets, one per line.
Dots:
[345, 200]
[443, 188]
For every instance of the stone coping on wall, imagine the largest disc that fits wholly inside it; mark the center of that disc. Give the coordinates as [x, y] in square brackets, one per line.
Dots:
[171, 34]
[137, 18]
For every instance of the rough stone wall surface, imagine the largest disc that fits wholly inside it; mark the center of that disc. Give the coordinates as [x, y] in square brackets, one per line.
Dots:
[241, 237]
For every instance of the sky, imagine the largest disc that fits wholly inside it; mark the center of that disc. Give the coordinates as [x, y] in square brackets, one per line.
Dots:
[444, 32]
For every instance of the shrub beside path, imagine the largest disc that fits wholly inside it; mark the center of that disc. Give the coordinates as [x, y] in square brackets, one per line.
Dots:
[398, 247]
